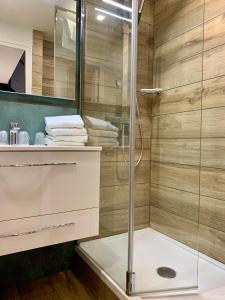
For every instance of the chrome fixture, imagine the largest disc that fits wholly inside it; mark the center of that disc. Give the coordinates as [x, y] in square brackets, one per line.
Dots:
[38, 165]
[13, 134]
[151, 91]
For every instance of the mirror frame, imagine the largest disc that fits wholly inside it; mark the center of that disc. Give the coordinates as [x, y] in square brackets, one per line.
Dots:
[56, 101]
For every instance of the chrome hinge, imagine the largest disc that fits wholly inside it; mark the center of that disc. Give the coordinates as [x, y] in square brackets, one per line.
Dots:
[130, 284]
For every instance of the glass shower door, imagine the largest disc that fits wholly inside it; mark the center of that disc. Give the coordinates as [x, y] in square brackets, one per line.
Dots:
[165, 253]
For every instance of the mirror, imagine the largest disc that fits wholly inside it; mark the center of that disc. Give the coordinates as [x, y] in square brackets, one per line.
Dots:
[38, 47]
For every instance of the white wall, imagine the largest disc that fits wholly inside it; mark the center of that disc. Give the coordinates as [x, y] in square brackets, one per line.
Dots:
[22, 38]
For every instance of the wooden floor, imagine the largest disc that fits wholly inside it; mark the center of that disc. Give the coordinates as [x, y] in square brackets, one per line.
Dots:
[61, 286]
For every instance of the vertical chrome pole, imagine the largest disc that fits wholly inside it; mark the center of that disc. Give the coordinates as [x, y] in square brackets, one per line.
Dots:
[133, 68]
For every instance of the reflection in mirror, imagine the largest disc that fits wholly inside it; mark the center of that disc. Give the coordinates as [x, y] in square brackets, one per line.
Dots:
[38, 47]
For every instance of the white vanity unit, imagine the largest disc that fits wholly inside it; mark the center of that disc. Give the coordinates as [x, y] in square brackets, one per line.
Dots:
[48, 195]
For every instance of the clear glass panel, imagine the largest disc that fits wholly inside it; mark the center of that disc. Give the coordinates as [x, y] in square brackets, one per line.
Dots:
[65, 52]
[166, 247]
[106, 97]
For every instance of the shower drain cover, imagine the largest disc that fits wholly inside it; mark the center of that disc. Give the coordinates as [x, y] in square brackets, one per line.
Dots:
[166, 272]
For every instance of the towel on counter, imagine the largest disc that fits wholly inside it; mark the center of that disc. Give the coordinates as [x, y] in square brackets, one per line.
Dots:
[73, 121]
[66, 131]
[49, 142]
[102, 133]
[94, 123]
[67, 138]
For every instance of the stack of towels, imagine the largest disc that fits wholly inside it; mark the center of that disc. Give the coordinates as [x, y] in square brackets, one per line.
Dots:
[65, 131]
[101, 133]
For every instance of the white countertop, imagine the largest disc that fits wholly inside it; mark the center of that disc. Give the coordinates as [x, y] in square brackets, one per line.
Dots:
[18, 148]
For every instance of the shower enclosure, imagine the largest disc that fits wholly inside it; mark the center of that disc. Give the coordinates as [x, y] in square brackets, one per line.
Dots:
[155, 213]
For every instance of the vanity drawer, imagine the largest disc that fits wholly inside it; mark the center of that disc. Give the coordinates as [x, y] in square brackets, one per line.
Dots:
[48, 182]
[47, 230]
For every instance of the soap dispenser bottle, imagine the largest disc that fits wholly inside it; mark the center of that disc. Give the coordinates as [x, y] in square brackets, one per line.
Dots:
[13, 134]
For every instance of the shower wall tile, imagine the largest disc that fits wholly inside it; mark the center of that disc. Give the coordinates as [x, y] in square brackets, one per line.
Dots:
[116, 173]
[213, 62]
[177, 23]
[166, 8]
[213, 122]
[181, 177]
[110, 200]
[214, 32]
[178, 74]
[212, 242]
[181, 99]
[183, 204]
[212, 213]
[174, 226]
[186, 45]
[212, 153]
[114, 222]
[213, 93]
[213, 9]
[212, 183]
[180, 151]
[179, 125]
[145, 103]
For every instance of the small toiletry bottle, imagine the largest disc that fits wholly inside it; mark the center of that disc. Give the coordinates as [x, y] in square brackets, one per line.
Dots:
[13, 134]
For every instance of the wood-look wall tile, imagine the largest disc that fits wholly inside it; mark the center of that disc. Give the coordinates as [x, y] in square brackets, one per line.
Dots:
[177, 23]
[102, 94]
[186, 45]
[213, 62]
[103, 47]
[213, 9]
[176, 100]
[145, 121]
[103, 73]
[117, 173]
[181, 73]
[180, 151]
[180, 203]
[147, 15]
[145, 103]
[181, 177]
[213, 93]
[121, 153]
[212, 183]
[178, 228]
[214, 32]
[212, 243]
[212, 153]
[180, 125]
[37, 63]
[166, 8]
[212, 213]
[213, 122]
[145, 35]
[115, 222]
[116, 197]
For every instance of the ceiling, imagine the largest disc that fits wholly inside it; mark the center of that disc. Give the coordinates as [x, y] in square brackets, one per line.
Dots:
[37, 14]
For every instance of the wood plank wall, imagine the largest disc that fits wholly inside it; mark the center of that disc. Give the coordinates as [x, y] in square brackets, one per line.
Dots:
[37, 62]
[105, 97]
[188, 126]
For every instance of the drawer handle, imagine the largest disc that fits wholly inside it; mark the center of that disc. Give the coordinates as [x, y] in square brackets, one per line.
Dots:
[37, 230]
[38, 165]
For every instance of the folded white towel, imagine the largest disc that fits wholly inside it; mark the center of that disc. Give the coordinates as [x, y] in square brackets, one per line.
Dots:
[66, 131]
[102, 133]
[73, 121]
[49, 142]
[99, 124]
[68, 138]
